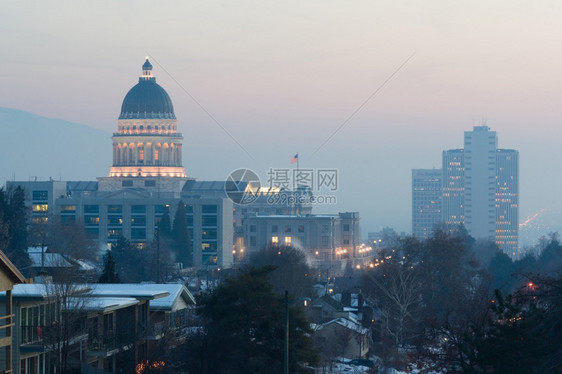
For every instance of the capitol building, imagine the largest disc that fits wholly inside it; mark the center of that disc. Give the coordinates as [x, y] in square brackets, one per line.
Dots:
[147, 181]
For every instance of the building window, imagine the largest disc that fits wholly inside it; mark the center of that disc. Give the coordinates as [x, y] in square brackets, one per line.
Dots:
[209, 246]
[91, 220]
[274, 240]
[156, 155]
[287, 228]
[274, 228]
[115, 208]
[346, 241]
[252, 241]
[150, 183]
[138, 209]
[252, 228]
[138, 221]
[206, 209]
[127, 183]
[346, 227]
[67, 219]
[91, 208]
[40, 195]
[40, 207]
[301, 228]
[287, 240]
[112, 235]
[209, 234]
[208, 221]
[325, 241]
[210, 259]
[325, 228]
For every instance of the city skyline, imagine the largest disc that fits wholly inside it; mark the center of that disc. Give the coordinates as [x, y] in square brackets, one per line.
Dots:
[478, 187]
[256, 67]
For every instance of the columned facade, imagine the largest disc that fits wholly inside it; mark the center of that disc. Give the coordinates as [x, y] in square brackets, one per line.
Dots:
[146, 143]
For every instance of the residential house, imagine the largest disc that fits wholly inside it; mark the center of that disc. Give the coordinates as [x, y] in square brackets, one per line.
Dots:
[9, 277]
[343, 337]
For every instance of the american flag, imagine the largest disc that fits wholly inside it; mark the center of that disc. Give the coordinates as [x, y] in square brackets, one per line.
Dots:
[295, 158]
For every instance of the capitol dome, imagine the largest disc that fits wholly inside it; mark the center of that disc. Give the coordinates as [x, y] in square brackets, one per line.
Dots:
[147, 99]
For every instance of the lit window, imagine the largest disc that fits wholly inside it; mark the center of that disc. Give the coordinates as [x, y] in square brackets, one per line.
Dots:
[274, 240]
[141, 154]
[156, 154]
[40, 207]
[287, 240]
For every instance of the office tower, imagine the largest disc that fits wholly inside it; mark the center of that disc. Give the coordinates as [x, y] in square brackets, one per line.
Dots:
[426, 201]
[481, 189]
[480, 181]
[507, 200]
[453, 187]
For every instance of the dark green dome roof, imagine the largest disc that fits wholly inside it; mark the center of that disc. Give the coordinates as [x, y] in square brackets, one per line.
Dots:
[147, 99]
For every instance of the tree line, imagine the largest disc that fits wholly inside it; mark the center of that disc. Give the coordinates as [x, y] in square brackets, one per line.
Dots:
[456, 304]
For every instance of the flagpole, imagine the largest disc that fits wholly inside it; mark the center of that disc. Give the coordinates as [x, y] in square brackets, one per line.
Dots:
[297, 162]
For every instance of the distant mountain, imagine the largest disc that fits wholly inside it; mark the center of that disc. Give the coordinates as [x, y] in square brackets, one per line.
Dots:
[33, 147]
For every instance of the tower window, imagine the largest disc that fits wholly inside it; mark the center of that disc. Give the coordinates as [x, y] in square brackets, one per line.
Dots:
[156, 154]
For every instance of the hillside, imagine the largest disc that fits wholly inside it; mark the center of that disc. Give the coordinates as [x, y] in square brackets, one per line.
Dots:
[32, 146]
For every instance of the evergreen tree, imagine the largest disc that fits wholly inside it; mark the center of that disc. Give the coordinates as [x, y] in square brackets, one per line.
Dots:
[291, 271]
[501, 268]
[130, 262]
[165, 226]
[109, 275]
[13, 227]
[244, 329]
[180, 235]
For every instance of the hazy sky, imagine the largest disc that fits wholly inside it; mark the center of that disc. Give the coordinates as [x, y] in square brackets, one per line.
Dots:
[281, 77]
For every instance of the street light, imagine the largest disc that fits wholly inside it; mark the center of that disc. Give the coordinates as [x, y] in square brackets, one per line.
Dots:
[286, 358]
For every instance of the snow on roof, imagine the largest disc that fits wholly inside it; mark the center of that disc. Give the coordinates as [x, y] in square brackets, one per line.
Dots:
[85, 265]
[100, 304]
[54, 260]
[38, 291]
[175, 291]
[32, 291]
[136, 290]
[35, 249]
[352, 325]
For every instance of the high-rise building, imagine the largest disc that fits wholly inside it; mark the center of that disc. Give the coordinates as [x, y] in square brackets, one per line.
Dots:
[507, 200]
[480, 181]
[453, 187]
[480, 189]
[427, 193]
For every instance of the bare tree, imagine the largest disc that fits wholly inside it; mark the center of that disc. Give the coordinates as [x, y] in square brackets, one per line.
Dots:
[68, 324]
[395, 292]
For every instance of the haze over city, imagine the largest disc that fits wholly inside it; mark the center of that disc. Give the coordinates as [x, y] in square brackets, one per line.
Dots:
[253, 83]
